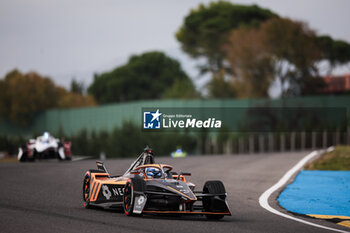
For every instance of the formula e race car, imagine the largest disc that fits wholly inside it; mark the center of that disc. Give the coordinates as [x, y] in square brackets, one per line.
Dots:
[44, 147]
[151, 188]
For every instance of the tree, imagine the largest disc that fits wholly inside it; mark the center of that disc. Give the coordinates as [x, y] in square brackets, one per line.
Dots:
[146, 76]
[251, 63]
[76, 87]
[24, 95]
[181, 89]
[336, 52]
[71, 99]
[206, 29]
[291, 45]
[220, 87]
[280, 49]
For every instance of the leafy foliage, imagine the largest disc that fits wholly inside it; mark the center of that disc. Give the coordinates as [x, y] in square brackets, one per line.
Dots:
[147, 76]
[219, 87]
[256, 47]
[251, 65]
[117, 144]
[10, 144]
[24, 95]
[206, 29]
[280, 49]
[76, 86]
[73, 99]
[181, 89]
[294, 52]
[125, 141]
[336, 52]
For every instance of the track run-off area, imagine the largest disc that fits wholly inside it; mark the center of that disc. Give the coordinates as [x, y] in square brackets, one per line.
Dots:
[46, 196]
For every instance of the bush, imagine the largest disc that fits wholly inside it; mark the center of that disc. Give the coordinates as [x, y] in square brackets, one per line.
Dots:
[126, 141]
[11, 144]
[129, 140]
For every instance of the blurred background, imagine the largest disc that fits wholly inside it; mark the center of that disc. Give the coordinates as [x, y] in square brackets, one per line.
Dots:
[83, 70]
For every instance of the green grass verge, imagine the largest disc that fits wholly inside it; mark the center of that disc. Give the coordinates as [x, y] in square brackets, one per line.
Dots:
[338, 159]
[9, 159]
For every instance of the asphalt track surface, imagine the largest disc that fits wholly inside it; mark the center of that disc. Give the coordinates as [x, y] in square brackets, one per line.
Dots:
[45, 196]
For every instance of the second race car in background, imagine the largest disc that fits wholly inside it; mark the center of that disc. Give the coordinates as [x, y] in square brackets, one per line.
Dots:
[179, 153]
[45, 147]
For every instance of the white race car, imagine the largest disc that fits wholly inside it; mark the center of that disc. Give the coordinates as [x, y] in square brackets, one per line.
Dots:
[44, 147]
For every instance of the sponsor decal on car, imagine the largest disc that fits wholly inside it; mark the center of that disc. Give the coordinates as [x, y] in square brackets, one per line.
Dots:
[140, 201]
[106, 192]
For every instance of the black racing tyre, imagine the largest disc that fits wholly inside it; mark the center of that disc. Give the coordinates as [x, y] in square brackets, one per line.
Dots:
[209, 203]
[86, 189]
[132, 185]
[87, 186]
[24, 156]
[128, 198]
[60, 146]
[58, 153]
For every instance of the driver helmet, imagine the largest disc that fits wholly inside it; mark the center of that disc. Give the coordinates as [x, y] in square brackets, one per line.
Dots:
[178, 150]
[46, 136]
[153, 172]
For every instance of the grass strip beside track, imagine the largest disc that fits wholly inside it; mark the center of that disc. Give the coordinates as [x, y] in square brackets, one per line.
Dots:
[336, 160]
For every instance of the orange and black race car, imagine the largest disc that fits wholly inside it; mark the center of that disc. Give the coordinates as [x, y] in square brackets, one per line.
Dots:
[151, 188]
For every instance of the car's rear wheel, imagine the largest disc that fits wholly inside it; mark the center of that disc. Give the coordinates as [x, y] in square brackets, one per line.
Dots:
[23, 149]
[87, 186]
[86, 189]
[212, 187]
[24, 157]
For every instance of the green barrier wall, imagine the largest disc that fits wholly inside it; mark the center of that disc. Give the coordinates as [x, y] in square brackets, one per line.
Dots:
[107, 117]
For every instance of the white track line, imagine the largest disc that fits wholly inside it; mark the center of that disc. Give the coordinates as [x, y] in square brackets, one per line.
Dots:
[79, 158]
[263, 199]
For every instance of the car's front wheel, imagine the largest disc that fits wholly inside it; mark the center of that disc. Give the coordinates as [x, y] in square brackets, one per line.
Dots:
[128, 198]
[135, 184]
[210, 204]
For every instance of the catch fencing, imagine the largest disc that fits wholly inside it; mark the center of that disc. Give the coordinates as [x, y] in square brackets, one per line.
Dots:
[274, 142]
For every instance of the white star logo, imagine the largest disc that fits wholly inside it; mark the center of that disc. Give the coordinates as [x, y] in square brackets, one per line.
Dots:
[156, 115]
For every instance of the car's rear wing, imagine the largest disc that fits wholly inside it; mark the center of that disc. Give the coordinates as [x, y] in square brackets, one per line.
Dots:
[101, 166]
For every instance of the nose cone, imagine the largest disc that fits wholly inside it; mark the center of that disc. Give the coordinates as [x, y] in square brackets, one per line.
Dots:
[174, 186]
[181, 188]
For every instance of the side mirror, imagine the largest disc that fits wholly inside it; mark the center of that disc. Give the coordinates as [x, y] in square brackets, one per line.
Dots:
[185, 173]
